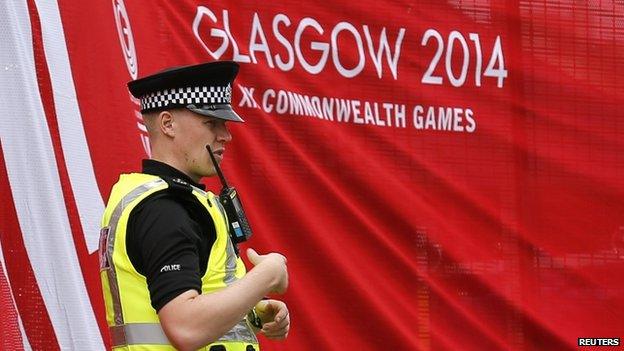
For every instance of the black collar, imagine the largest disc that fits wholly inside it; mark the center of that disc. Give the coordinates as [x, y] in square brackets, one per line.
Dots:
[161, 169]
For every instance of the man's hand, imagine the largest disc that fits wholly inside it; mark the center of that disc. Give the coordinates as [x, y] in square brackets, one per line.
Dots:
[193, 320]
[276, 263]
[275, 319]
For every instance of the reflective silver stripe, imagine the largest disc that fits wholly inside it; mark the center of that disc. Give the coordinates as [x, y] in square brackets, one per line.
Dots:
[152, 334]
[230, 260]
[230, 263]
[200, 190]
[114, 221]
[138, 334]
[240, 332]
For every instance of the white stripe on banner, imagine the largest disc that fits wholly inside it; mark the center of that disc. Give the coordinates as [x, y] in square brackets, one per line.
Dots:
[36, 188]
[19, 318]
[77, 159]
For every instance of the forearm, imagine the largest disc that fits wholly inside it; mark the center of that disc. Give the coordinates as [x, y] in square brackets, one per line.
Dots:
[192, 320]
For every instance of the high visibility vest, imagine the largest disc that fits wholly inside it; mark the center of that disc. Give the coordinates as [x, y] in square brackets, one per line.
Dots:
[133, 322]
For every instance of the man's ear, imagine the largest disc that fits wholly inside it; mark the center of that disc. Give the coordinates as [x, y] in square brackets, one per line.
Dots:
[166, 122]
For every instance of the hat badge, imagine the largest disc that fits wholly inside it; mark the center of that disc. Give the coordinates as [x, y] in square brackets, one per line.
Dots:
[228, 93]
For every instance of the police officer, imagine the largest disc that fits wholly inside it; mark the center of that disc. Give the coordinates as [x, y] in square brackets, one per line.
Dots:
[171, 275]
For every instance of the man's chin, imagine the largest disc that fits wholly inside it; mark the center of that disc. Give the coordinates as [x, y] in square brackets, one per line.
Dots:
[210, 173]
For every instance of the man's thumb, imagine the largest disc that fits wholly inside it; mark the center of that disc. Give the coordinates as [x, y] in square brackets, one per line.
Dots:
[262, 306]
[253, 256]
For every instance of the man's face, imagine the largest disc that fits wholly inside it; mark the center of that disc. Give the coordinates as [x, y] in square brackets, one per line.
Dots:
[192, 133]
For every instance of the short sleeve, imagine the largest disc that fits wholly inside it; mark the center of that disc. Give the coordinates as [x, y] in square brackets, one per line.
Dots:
[163, 245]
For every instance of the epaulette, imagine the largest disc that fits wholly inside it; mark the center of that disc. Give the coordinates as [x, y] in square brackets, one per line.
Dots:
[178, 185]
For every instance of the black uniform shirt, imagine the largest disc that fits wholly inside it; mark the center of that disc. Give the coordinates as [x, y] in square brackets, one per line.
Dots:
[169, 237]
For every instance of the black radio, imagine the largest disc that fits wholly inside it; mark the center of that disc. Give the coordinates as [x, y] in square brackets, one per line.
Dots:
[239, 228]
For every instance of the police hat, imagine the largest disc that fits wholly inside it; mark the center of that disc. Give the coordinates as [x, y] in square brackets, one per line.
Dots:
[205, 89]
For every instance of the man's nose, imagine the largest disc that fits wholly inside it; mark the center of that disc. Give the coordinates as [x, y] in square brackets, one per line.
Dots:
[224, 134]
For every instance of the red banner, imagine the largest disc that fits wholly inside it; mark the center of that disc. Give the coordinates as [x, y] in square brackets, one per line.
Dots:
[441, 175]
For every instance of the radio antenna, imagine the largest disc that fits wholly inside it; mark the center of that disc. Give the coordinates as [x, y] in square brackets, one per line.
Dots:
[217, 168]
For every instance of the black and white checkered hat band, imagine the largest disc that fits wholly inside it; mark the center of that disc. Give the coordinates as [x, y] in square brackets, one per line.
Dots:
[186, 96]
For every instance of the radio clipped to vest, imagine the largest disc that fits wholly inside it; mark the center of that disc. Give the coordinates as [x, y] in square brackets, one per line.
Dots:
[239, 228]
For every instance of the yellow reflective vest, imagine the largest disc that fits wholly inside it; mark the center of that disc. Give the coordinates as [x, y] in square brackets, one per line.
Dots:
[133, 322]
